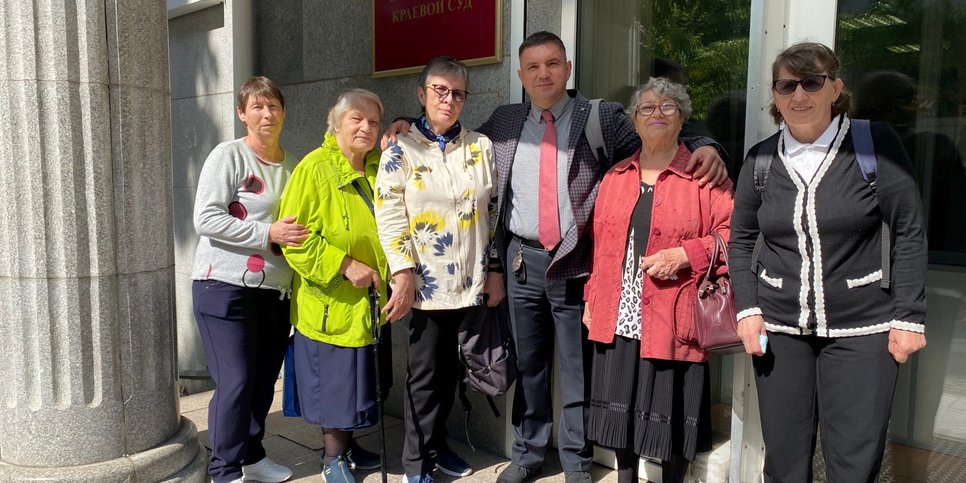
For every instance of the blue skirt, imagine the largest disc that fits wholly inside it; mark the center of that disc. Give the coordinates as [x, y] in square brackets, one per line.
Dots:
[336, 384]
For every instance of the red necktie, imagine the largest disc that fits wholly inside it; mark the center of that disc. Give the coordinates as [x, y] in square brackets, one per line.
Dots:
[549, 229]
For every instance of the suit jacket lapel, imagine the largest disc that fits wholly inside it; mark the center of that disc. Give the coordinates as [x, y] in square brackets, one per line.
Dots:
[578, 122]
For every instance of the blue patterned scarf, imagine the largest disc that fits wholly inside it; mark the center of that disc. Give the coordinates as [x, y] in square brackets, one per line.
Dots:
[423, 125]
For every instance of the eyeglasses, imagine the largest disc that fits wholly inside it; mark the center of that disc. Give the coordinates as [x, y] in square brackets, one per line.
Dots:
[459, 95]
[812, 83]
[668, 109]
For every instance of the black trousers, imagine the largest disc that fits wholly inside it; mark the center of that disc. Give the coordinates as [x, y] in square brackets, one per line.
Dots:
[844, 386]
[433, 371]
[245, 334]
[546, 318]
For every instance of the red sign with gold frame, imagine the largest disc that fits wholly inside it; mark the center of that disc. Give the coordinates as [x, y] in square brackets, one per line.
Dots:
[407, 33]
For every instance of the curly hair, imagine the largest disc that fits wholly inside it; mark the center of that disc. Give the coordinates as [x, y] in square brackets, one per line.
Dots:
[663, 87]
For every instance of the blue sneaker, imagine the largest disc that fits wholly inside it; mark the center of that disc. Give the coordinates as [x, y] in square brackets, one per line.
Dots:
[360, 458]
[337, 471]
[423, 478]
[451, 464]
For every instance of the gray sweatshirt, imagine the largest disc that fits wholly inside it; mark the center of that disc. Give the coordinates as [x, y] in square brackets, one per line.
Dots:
[237, 201]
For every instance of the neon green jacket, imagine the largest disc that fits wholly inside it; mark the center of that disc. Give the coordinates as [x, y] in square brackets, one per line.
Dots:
[321, 195]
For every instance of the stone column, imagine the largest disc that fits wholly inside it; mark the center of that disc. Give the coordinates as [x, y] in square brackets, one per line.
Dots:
[87, 371]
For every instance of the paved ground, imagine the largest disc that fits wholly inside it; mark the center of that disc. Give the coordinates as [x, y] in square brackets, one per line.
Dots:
[293, 443]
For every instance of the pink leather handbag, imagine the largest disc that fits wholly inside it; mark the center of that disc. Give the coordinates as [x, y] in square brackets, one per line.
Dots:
[715, 319]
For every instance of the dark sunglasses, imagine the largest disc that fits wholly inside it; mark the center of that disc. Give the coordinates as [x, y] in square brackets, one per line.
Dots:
[812, 83]
[459, 95]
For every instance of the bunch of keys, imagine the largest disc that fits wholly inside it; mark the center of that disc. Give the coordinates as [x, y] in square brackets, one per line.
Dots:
[519, 268]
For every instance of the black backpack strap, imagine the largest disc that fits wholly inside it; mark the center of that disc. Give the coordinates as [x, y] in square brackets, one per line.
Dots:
[866, 159]
[755, 252]
[864, 150]
[467, 408]
[886, 243]
[763, 157]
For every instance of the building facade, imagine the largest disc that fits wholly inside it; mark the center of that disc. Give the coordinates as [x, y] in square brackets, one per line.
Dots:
[905, 61]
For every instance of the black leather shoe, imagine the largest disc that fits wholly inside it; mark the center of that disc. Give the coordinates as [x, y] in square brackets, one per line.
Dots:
[518, 474]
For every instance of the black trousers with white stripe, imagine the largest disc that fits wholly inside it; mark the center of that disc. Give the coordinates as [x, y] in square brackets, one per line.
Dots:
[433, 371]
[843, 386]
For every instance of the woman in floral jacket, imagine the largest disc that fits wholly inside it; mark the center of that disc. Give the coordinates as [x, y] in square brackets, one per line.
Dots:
[435, 210]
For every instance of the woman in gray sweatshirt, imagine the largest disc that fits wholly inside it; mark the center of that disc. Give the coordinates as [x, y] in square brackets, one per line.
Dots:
[241, 283]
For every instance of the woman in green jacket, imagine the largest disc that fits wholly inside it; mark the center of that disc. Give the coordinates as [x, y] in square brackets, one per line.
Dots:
[330, 192]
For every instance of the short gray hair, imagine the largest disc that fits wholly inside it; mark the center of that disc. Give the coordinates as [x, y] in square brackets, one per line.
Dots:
[348, 100]
[664, 88]
[443, 65]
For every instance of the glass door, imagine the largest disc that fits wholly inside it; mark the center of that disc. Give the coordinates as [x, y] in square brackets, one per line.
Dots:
[905, 62]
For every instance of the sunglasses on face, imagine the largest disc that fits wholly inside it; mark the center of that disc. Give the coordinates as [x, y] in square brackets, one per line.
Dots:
[441, 91]
[812, 83]
[668, 109]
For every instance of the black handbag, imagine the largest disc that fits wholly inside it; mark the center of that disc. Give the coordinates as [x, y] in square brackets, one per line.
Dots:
[715, 318]
[486, 349]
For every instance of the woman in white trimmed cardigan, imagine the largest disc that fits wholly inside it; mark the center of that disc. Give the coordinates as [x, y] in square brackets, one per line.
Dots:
[834, 334]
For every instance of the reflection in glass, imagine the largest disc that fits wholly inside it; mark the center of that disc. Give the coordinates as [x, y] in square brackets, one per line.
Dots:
[904, 60]
[906, 63]
[700, 43]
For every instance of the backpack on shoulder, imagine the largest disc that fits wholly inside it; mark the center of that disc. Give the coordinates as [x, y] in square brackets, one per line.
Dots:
[594, 133]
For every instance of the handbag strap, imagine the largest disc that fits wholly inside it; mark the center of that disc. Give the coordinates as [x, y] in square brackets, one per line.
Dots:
[365, 197]
[718, 249]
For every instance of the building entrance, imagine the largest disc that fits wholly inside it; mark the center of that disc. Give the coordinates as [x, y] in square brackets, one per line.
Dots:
[905, 62]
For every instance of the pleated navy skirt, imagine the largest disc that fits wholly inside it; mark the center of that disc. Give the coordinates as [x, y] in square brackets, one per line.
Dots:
[654, 407]
[336, 384]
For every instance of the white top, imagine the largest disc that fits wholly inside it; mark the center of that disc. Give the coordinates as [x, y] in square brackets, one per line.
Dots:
[806, 158]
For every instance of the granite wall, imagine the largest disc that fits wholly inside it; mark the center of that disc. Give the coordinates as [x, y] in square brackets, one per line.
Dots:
[207, 66]
[87, 330]
[317, 49]
[314, 50]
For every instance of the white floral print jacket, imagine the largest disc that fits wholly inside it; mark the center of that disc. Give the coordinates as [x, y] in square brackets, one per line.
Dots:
[435, 212]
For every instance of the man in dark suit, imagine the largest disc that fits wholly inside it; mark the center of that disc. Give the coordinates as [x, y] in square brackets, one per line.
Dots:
[547, 268]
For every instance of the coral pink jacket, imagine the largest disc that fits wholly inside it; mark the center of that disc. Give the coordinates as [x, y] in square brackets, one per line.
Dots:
[683, 215]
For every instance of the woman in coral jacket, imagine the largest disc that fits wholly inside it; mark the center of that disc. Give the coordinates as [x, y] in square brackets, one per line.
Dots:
[652, 241]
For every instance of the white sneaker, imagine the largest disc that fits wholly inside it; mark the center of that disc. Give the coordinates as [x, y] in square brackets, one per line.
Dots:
[266, 471]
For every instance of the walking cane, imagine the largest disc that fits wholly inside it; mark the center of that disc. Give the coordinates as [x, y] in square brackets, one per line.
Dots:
[374, 307]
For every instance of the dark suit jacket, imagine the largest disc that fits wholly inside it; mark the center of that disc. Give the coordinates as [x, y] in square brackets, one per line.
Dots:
[572, 256]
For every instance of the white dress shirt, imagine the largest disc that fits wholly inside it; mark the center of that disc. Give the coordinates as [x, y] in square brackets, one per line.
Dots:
[806, 158]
